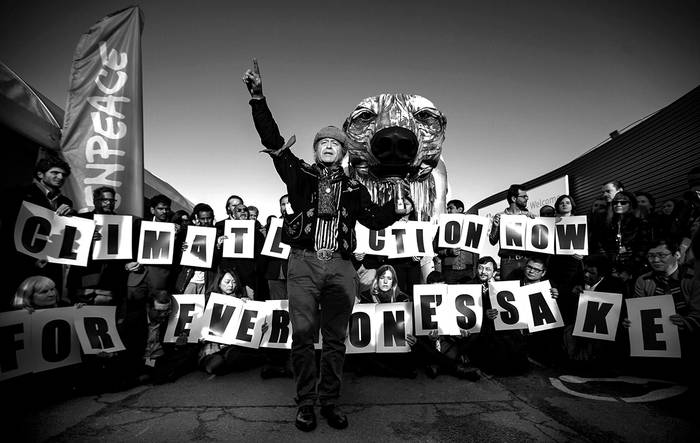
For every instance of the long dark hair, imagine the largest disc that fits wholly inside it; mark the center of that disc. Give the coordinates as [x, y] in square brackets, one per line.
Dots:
[238, 290]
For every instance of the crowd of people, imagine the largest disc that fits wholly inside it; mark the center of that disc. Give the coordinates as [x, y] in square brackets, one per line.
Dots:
[636, 248]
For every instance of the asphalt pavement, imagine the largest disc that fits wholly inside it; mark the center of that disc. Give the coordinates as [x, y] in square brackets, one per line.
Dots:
[543, 405]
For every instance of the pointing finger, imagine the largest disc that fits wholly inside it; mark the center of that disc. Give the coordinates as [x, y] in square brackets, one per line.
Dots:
[256, 67]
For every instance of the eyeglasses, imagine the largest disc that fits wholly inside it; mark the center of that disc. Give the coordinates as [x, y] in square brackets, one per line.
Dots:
[660, 255]
[621, 202]
[523, 196]
[530, 268]
[107, 199]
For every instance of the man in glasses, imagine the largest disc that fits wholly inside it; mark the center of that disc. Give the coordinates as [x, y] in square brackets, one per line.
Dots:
[666, 277]
[98, 283]
[511, 260]
[246, 267]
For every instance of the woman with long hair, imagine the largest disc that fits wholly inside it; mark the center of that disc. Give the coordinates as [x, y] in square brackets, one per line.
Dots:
[623, 238]
[217, 358]
[385, 288]
[566, 271]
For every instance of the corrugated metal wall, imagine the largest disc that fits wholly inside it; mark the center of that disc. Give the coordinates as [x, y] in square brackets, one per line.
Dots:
[654, 156]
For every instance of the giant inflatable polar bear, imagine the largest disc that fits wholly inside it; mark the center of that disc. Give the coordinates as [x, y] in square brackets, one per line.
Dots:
[399, 136]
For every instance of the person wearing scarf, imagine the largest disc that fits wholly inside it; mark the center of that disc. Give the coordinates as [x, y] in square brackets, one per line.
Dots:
[321, 282]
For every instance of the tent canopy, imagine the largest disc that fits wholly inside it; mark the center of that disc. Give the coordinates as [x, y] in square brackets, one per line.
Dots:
[30, 121]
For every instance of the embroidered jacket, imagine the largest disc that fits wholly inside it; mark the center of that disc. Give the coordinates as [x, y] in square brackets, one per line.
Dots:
[354, 204]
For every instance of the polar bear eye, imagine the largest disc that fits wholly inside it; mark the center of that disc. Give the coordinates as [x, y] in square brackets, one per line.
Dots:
[426, 116]
[363, 115]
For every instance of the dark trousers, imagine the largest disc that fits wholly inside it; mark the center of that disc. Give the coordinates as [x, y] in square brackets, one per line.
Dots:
[319, 292]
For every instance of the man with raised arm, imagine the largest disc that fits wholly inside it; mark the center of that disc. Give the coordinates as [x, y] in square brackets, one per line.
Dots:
[326, 205]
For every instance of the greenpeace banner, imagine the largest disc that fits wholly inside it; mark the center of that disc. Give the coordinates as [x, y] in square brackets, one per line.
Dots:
[51, 338]
[103, 124]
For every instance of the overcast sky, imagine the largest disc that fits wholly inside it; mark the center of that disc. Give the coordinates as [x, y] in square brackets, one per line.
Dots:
[526, 86]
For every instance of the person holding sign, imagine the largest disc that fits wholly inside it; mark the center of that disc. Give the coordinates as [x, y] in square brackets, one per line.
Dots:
[191, 279]
[666, 278]
[101, 282]
[50, 174]
[385, 289]
[36, 292]
[546, 345]
[327, 205]
[511, 260]
[217, 358]
[496, 352]
[455, 264]
[566, 271]
[164, 362]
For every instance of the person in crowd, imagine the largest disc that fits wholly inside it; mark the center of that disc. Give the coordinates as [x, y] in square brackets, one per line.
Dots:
[434, 277]
[598, 207]
[278, 362]
[190, 279]
[666, 278]
[566, 271]
[687, 259]
[511, 260]
[408, 269]
[101, 282]
[610, 189]
[445, 354]
[646, 204]
[253, 213]
[217, 358]
[276, 270]
[143, 281]
[690, 202]
[181, 219]
[36, 292]
[164, 362]
[456, 265]
[385, 288]
[547, 211]
[50, 174]
[327, 204]
[622, 236]
[591, 354]
[545, 345]
[246, 267]
[667, 223]
[496, 352]
[231, 203]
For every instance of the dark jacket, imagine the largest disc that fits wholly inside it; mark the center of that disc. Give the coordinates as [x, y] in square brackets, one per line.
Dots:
[302, 186]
